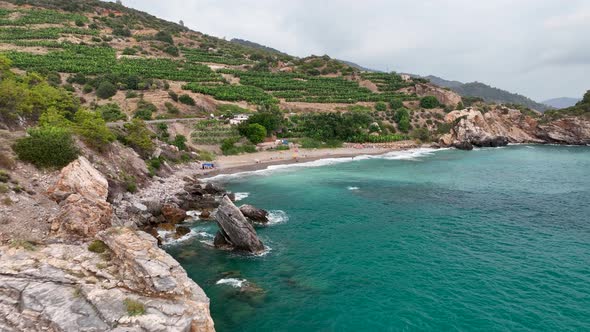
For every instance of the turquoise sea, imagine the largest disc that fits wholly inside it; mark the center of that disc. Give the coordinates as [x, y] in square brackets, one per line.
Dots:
[487, 240]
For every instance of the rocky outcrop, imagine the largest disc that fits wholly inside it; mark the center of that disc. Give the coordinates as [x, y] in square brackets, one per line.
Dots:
[235, 232]
[501, 126]
[81, 192]
[254, 214]
[64, 287]
[172, 213]
[444, 96]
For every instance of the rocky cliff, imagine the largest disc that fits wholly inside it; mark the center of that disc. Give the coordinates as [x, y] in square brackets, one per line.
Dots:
[500, 126]
[91, 276]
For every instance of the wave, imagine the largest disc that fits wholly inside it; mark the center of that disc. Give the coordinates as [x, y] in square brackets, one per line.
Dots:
[411, 154]
[168, 238]
[241, 196]
[277, 217]
[353, 188]
[233, 282]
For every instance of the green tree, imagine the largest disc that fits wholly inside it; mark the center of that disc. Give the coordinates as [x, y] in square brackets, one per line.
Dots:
[429, 102]
[47, 147]
[460, 106]
[180, 142]
[111, 112]
[138, 137]
[396, 104]
[106, 90]
[187, 100]
[93, 130]
[255, 133]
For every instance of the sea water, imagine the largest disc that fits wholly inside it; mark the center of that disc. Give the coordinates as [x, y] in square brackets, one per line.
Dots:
[486, 240]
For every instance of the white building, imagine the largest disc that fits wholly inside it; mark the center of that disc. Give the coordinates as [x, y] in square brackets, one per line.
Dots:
[239, 119]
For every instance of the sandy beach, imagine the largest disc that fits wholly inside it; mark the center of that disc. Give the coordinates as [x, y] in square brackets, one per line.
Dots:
[263, 159]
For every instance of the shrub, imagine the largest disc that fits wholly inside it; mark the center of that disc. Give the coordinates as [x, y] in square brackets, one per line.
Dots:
[106, 90]
[69, 87]
[172, 50]
[4, 177]
[395, 104]
[187, 100]
[47, 147]
[129, 51]
[131, 94]
[80, 23]
[171, 108]
[78, 78]
[381, 107]
[4, 188]
[421, 134]
[145, 110]
[97, 246]
[87, 88]
[92, 127]
[255, 133]
[111, 112]
[173, 95]
[6, 161]
[138, 137]
[180, 142]
[460, 106]
[429, 102]
[164, 36]
[134, 308]
[122, 31]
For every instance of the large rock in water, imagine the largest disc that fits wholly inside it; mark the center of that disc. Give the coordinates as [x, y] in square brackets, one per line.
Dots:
[254, 214]
[235, 232]
[81, 192]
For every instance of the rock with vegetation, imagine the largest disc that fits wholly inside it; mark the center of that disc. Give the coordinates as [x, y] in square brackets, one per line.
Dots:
[235, 232]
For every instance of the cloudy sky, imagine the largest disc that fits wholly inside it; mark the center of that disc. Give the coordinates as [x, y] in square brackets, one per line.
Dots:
[538, 48]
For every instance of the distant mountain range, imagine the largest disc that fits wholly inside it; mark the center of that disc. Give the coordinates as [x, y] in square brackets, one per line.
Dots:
[488, 93]
[563, 102]
[256, 45]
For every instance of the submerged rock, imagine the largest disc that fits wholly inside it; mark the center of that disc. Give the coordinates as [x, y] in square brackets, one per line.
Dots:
[254, 214]
[235, 232]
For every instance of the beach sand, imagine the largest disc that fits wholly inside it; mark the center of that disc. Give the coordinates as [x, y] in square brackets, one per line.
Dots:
[261, 160]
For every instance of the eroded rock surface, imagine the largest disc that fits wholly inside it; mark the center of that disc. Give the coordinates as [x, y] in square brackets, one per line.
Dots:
[81, 192]
[235, 232]
[254, 214]
[65, 287]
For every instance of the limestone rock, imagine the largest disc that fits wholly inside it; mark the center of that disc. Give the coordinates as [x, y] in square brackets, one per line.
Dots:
[61, 287]
[81, 192]
[234, 230]
[254, 214]
[80, 177]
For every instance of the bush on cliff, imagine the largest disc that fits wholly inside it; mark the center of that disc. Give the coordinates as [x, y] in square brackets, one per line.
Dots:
[138, 137]
[106, 90]
[47, 147]
[429, 102]
[93, 130]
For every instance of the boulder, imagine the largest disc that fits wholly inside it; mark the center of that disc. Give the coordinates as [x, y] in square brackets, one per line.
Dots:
[464, 145]
[488, 141]
[205, 214]
[172, 213]
[81, 192]
[182, 231]
[212, 189]
[235, 231]
[254, 214]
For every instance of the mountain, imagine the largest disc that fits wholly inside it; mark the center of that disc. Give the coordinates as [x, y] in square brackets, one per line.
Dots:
[248, 43]
[359, 67]
[562, 102]
[488, 93]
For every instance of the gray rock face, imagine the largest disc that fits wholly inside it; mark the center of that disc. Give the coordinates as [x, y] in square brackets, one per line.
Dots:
[63, 287]
[254, 214]
[235, 231]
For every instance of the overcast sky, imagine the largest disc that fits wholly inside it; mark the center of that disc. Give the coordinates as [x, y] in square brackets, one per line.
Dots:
[539, 48]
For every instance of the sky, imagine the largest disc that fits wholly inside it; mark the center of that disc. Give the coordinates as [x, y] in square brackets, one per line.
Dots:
[538, 48]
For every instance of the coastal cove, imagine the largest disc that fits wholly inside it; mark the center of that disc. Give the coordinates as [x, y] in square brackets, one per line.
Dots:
[492, 239]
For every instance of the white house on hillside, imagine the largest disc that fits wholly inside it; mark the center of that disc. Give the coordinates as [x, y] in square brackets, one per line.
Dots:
[239, 119]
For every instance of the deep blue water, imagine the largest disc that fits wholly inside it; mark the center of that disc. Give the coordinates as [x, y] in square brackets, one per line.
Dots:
[487, 240]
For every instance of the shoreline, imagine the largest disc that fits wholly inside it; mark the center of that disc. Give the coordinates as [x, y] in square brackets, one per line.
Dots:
[257, 161]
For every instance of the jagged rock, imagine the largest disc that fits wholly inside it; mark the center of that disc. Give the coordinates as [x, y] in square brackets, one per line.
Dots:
[463, 145]
[232, 196]
[212, 189]
[80, 177]
[61, 287]
[205, 214]
[173, 214]
[571, 130]
[234, 230]
[182, 231]
[493, 142]
[81, 192]
[80, 218]
[254, 214]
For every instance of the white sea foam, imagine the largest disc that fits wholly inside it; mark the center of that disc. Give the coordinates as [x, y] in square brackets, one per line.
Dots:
[168, 238]
[233, 282]
[411, 154]
[241, 196]
[277, 217]
[353, 188]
